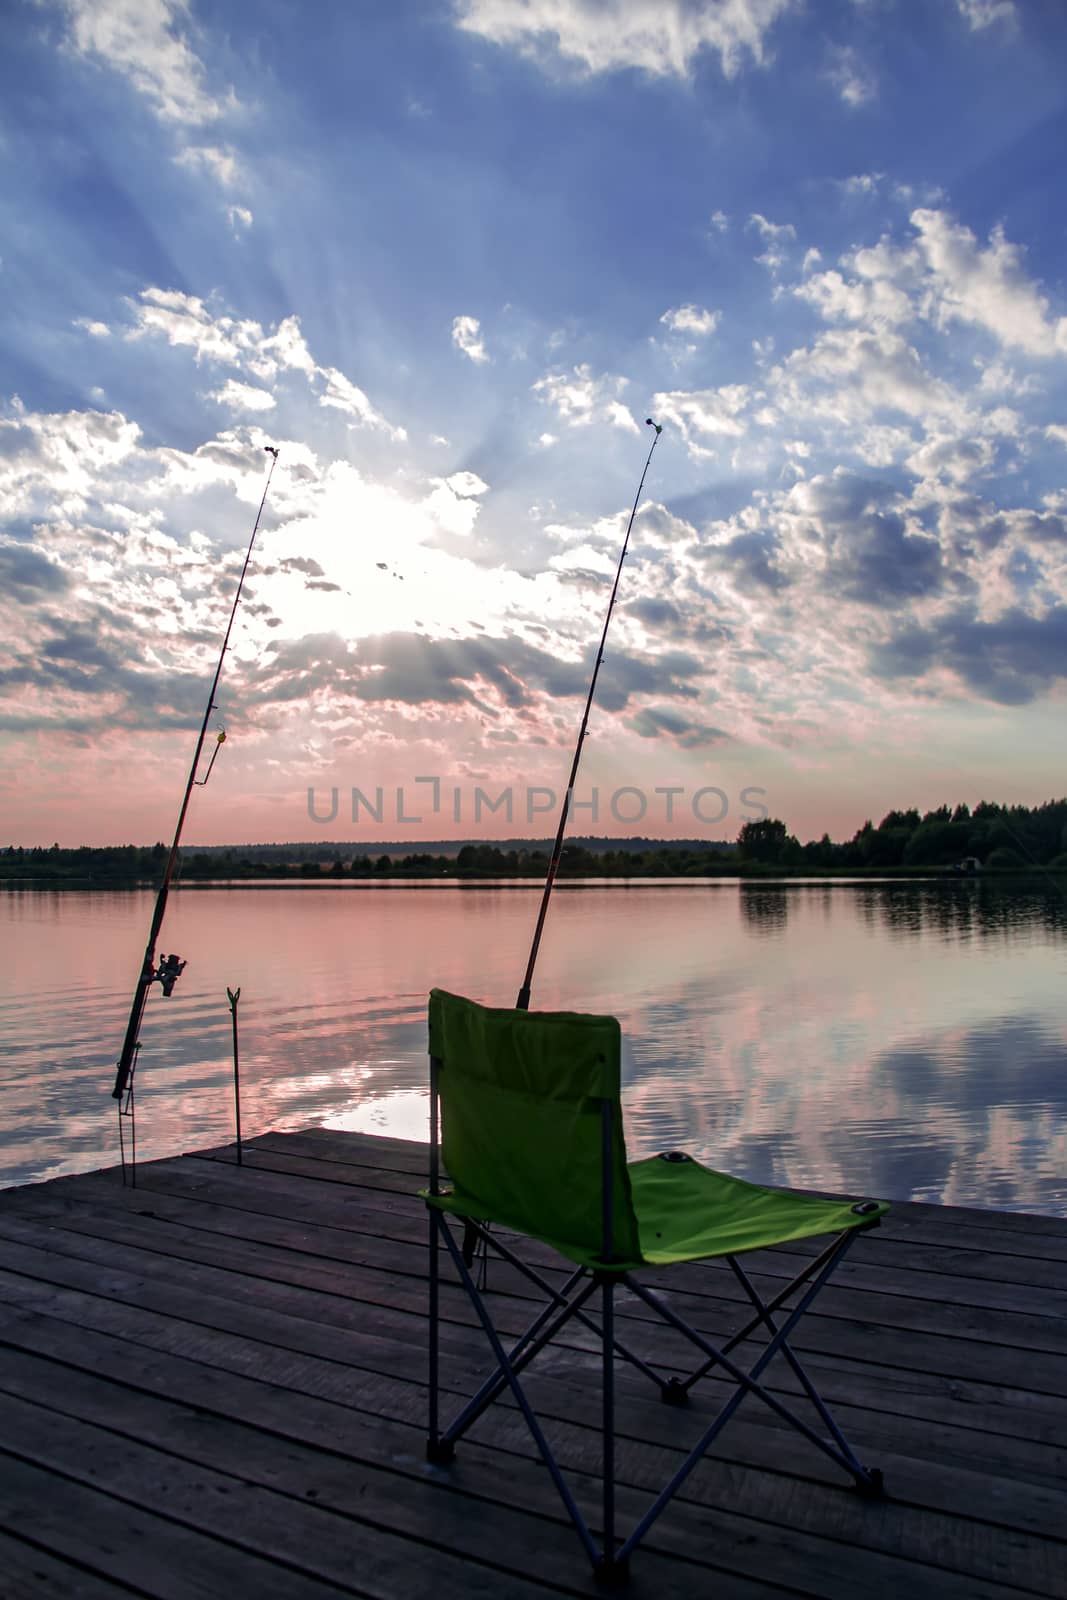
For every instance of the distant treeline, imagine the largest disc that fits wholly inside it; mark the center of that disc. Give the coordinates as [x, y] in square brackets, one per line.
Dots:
[990, 838]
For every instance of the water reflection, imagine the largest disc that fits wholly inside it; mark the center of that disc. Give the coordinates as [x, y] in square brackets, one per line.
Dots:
[965, 910]
[765, 908]
[906, 1039]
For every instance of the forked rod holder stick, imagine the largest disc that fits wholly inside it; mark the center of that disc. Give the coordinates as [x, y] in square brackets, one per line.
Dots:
[233, 995]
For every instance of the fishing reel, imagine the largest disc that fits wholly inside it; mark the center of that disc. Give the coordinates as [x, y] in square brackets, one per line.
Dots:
[168, 972]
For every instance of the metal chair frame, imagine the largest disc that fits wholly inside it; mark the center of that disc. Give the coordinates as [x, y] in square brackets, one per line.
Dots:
[610, 1556]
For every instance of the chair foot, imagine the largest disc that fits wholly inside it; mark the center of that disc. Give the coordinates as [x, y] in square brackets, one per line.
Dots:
[872, 1487]
[674, 1393]
[611, 1574]
[440, 1452]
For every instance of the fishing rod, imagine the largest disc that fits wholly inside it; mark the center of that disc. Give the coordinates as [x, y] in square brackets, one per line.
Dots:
[523, 1001]
[171, 967]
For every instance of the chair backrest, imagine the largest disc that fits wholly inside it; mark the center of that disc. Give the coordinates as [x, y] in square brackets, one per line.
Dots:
[525, 1133]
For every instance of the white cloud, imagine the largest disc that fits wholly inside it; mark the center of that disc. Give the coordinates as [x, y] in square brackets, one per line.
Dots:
[719, 221]
[660, 37]
[776, 235]
[997, 378]
[1057, 431]
[346, 396]
[620, 417]
[947, 456]
[691, 319]
[841, 300]
[467, 484]
[774, 232]
[861, 183]
[52, 459]
[98, 330]
[184, 320]
[582, 399]
[704, 414]
[852, 374]
[944, 276]
[466, 336]
[986, 287]
[243, 397]
[219, 161]
[239, 217]
[145, 41]
[453, 502]
[287, 346]
[983, 13]
[854, 81]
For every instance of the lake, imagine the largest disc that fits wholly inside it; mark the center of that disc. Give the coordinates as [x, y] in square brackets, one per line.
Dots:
[904, 1039]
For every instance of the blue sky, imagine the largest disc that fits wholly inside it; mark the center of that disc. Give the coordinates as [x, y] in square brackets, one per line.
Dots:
[449, 256]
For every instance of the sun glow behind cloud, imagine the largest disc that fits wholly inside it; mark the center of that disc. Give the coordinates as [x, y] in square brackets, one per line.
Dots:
[853, 556]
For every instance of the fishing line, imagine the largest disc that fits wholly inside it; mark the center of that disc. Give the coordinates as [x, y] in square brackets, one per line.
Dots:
[523, 1001]
[171, 967]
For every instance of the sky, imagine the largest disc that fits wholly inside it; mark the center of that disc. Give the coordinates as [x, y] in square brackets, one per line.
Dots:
[448, 256]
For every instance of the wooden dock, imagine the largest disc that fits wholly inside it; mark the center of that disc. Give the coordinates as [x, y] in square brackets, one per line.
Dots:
[214, 1385]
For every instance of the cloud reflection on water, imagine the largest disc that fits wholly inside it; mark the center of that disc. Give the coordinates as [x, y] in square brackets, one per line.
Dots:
[903, 1039]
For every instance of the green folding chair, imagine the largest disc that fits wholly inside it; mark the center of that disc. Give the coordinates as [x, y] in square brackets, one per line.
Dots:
[530, 1119]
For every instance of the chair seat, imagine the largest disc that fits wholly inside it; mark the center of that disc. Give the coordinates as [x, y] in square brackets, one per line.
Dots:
[687, 1212]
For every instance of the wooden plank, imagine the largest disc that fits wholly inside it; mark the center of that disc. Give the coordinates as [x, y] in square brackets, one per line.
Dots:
[508, 1540]
[27, 1573]
[957, 1550]
[917, 1392]
[398, 1166]
[1039, 1249]
[150, 1554]
[343, 1547]
[270, 1315]
[957, 1356]
[992, 1281]
[1042, 1463]
[411, 1157]
[291, 1269]
[1028, 1507]
[406, 1240]
[358, 1149]
[273, 1196]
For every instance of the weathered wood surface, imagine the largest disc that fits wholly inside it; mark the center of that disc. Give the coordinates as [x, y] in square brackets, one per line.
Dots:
[214, 1384]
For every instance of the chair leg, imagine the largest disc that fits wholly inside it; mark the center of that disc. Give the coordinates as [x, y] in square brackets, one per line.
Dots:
[559, 1300]
[509, 1371]
[608, 1571]
[608, 1340]
[868, 1480]
[832, 1253]
[438, 1451]
[610, 1557]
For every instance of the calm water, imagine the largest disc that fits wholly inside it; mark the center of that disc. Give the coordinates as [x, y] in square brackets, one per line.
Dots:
[908, 1040]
